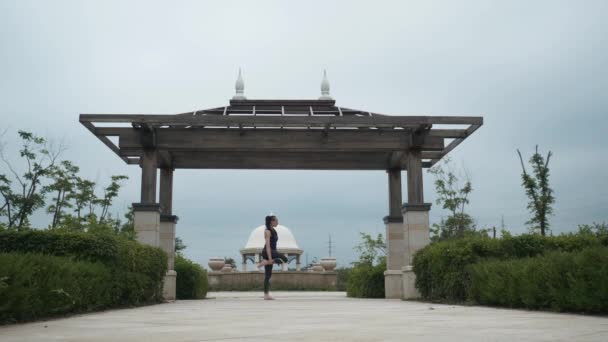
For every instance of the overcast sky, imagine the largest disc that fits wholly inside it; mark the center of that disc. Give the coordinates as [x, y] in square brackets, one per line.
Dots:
[535, 70]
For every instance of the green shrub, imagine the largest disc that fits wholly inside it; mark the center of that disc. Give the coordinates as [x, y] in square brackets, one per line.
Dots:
[191, 279]
[560, 281]
[144, 269]
[366, 281]
[37, 285]
[440, 267]
[138, 269]
[84, 246]
[342, 278]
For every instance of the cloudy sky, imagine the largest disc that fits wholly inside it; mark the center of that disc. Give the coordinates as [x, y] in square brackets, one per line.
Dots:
[535, 70]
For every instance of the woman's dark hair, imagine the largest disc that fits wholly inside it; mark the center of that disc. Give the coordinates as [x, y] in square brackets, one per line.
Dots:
[268, 220]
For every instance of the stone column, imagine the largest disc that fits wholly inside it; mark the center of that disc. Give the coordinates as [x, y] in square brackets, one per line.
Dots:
[395, 242]
[416, 222]
[285, 265]
[244, 263]
[256, 258]
[298, 264]
[167, 230]
[146, 215]
[167, 243]
[166, 190]
[148, 176]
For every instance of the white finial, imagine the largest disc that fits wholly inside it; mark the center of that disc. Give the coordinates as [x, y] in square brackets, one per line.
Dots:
[325, 88]
[239, 86]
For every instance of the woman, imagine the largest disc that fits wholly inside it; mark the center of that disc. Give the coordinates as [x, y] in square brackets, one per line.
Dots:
[270, 254]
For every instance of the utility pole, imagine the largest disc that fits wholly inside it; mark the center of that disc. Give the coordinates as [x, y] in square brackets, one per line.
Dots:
[330, 244]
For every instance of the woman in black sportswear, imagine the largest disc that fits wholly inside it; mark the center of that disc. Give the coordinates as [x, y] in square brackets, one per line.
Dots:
[270, 255]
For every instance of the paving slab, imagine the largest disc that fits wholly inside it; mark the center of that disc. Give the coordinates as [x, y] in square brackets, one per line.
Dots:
[311, 316]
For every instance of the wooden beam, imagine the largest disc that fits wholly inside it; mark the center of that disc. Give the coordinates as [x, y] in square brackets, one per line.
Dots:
[280, 160]
[103, 139]
[448, 133]
[276, 140]
[287, 121]
[431, 155]
[455, 143]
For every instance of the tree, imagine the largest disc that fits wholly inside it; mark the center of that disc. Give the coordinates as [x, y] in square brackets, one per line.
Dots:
[110, 192]
[538, 191]
[596, 229]
[371, 250]
[179, 245]
[128, 228]
[453, 195]
[63, 177]
[40, 157]
[22, 194]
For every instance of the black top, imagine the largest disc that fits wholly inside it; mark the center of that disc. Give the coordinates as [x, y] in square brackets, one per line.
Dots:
[274, 237]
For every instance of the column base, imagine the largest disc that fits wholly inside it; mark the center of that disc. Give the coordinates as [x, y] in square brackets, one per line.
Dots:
[170, 286]
[146, 221]
[393, 284]
[409, 290]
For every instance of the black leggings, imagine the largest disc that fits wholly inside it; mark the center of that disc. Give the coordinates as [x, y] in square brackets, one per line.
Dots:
[278, 258]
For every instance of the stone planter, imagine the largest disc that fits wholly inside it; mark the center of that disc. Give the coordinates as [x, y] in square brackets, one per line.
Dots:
[227, 268]
[216, 264]
[328, 263]
[317, 268]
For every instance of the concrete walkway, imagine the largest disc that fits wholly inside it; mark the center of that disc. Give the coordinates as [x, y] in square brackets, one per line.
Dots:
[311, 316]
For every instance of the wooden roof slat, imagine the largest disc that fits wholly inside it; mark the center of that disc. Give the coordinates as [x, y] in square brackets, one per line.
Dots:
[303, 120]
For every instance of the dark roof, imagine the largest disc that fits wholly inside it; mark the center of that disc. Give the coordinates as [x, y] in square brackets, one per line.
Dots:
[283, 108]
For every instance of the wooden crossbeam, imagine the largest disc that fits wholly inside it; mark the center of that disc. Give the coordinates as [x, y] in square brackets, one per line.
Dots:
[273, 140]
[280, 160]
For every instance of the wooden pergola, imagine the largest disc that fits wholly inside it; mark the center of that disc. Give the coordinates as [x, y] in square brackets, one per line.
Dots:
[283, 134]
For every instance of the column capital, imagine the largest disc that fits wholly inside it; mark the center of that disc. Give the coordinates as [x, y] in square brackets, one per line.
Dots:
[415, 207]
[168, 218]
[146, 207]
[392, 219]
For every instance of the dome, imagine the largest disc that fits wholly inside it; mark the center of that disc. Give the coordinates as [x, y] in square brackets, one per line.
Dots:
[286, 239]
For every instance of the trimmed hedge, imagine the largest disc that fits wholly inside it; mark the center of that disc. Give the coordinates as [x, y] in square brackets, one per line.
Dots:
[366, 281]
[440, 267]
[191, 279]
[38, 285]
[137, 270]
[560, 281]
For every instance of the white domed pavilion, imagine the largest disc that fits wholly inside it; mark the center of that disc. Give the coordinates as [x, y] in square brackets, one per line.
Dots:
[287, 245]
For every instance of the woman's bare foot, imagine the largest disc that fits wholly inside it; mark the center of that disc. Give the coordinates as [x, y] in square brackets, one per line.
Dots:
[268, 297]
[263, 263]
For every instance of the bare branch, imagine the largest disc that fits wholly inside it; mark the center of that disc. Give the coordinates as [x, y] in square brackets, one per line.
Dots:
[10, 167]
[523, 167]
